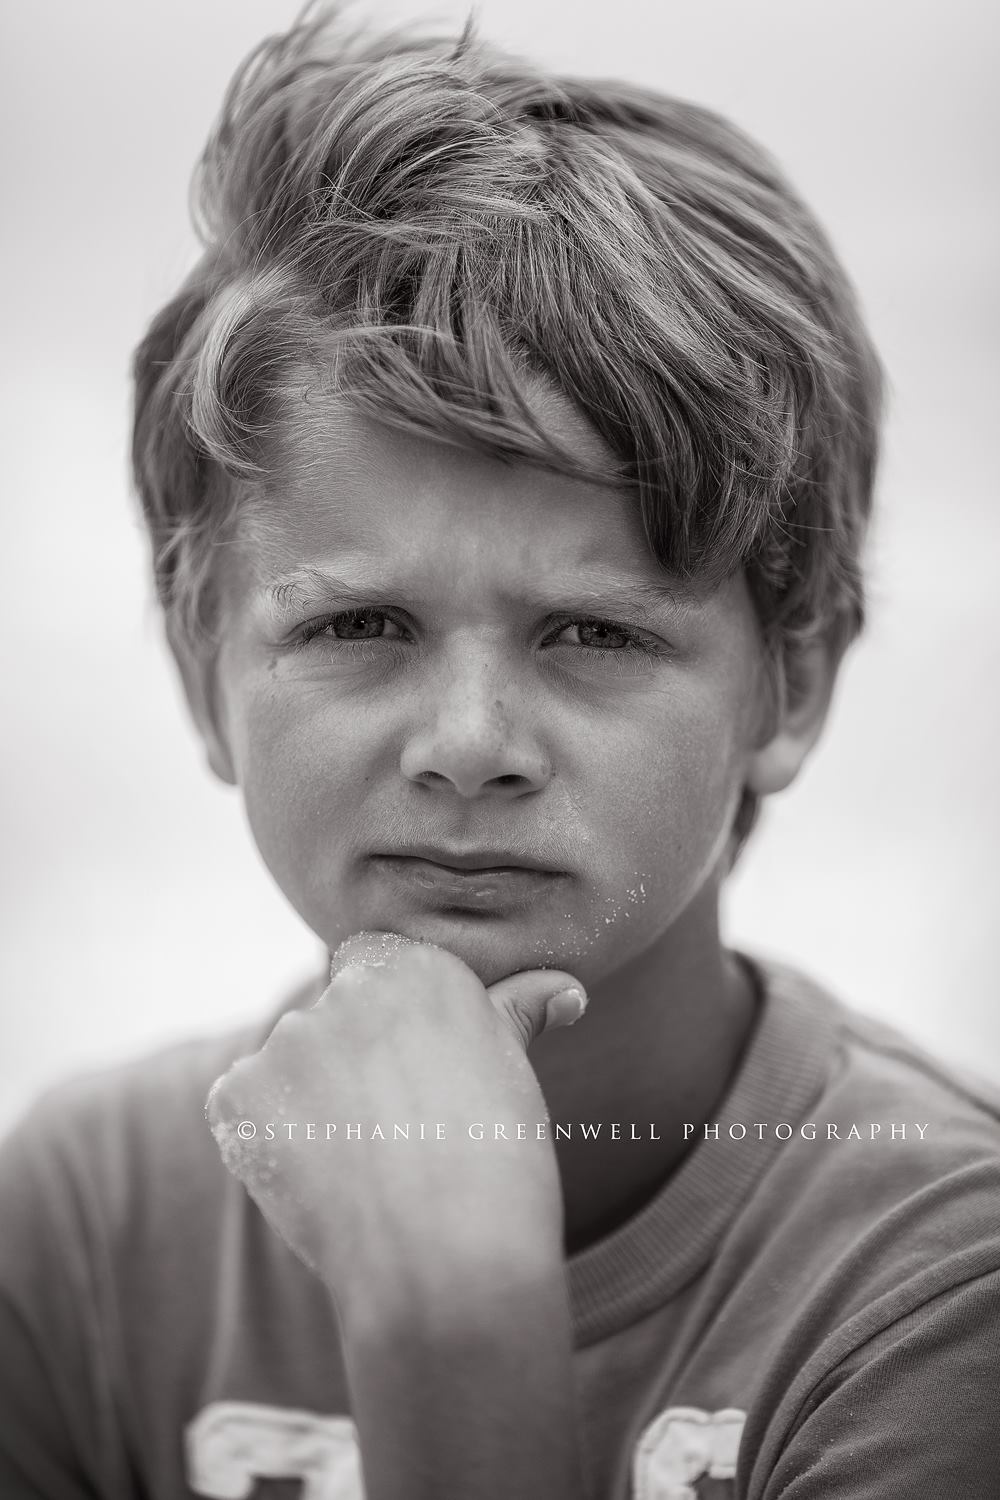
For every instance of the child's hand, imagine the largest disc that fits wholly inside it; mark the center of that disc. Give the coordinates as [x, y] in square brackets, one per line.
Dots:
[443, 1255]
[405, 1035]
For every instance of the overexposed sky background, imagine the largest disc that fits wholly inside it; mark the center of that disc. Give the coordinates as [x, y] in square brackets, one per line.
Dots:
[134, 908]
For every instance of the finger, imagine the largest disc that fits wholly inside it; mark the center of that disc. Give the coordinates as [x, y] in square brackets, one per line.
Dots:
[222, 1105]
[369, 950]
[422, 962]
[538, 1000]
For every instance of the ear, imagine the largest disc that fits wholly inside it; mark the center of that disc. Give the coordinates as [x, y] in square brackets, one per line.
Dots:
[803, 689]
[197, 663]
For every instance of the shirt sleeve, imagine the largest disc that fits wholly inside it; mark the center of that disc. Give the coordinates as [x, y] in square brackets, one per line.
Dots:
[913, 1413]
[57, 1424]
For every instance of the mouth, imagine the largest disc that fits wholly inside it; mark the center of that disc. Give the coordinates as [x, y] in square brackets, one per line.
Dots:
[478, 881]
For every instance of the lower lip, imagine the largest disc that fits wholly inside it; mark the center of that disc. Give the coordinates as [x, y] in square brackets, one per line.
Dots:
[475, 890]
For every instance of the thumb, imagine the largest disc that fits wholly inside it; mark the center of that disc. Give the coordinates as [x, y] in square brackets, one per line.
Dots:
[537, 1000]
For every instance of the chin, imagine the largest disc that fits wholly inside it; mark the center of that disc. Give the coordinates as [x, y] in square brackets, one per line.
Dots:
[492, 946]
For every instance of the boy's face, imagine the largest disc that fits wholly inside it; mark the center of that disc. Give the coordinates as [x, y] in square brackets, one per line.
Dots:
[428, 653]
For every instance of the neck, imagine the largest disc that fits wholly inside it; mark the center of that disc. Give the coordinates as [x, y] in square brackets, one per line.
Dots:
[657, 1048]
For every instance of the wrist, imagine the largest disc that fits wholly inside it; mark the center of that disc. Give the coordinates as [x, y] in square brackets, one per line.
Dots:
[472, 1393]
[430, 1301]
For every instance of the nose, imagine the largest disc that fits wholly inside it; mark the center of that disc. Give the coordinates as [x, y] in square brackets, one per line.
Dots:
[475, 739]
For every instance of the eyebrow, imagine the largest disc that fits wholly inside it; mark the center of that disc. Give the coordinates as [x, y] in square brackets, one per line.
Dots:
[306, 587]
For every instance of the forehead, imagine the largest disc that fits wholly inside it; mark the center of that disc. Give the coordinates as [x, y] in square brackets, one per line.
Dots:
[345, 484]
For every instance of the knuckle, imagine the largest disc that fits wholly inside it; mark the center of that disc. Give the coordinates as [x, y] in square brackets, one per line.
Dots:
[349, 981]
[286, 1032]
[290, 1023]
[226, 1097]
[443, 967]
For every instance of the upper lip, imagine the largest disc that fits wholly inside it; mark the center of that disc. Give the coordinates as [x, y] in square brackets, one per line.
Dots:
[471, 859]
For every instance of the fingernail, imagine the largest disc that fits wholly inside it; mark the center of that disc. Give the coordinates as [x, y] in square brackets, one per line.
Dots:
[565, 1007]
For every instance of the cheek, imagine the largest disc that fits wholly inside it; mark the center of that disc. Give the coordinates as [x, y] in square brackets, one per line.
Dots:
[669, 809]
[303, 772]
[658, 810]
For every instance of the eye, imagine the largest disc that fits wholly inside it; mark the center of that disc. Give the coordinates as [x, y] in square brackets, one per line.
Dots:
[600, 635]
[353, 625]
[603, 637]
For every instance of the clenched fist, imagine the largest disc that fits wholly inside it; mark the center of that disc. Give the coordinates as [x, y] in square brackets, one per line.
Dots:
[405, 1034]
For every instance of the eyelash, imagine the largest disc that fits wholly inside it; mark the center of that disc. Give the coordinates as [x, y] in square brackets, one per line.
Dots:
[636, 642]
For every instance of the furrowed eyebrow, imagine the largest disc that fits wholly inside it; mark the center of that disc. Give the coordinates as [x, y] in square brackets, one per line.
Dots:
[308, 587]
[634, 595]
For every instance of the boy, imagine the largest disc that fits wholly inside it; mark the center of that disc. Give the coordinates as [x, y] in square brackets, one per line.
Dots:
[506, 461]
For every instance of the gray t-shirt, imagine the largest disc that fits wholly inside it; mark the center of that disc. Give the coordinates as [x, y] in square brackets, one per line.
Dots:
[810, 1307]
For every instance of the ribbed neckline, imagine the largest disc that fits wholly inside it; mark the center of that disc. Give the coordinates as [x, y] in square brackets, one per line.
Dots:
[653, 1256]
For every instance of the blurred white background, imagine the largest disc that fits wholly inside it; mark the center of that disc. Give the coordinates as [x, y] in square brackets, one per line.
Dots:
[134, 907]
